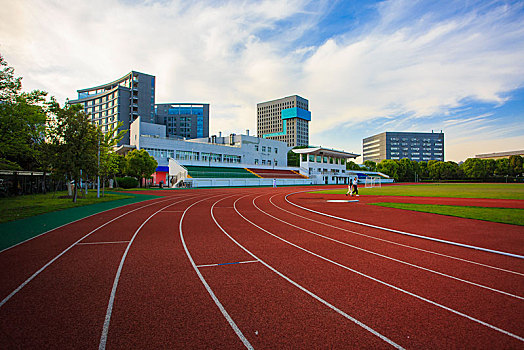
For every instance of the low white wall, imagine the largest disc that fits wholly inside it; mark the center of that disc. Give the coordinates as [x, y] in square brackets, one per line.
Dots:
[212, 182]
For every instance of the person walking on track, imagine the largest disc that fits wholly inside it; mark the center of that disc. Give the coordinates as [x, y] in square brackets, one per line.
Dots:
[274, 183]
[350, 187]
[355, 186]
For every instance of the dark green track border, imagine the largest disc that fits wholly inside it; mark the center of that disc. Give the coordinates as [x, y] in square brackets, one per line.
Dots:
[15, 232]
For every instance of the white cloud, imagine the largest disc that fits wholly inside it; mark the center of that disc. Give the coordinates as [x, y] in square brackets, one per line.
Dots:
[406, 65]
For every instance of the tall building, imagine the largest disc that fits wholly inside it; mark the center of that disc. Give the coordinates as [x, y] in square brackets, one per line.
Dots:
[285, 119]
[122, 100]
[419, 146]
[189, 120]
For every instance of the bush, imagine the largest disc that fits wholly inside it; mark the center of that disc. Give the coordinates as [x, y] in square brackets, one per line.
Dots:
[126, 182]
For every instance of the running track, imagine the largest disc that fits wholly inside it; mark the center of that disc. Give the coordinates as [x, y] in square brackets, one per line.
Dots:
[264, 268]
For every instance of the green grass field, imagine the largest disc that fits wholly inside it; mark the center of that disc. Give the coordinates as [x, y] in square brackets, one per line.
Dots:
[15, 208]
[502, 215]
[500, 191]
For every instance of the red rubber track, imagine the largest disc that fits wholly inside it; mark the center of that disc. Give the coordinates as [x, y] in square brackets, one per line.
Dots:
[160, 301]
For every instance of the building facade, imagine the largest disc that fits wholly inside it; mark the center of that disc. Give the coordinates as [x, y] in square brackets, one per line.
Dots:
[326, 166]
[187, 120]
[285, 119]
[122, 100]
[232, 150]
[416, 146]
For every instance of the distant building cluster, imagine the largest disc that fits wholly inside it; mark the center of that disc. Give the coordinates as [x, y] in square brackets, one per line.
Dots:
[416, 146]
[180, 130]
[133, 95]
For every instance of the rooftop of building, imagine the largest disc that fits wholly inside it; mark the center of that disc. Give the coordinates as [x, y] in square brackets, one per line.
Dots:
[500, 154]
[115, 82]
[321, 151]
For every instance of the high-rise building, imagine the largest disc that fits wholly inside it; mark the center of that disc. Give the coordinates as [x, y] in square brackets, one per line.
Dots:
[285, 119]
[122, 100]
[189, 120]
[419, 146]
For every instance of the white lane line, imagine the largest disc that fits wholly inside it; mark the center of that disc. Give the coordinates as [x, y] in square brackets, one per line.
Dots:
[311, 294]
[231, 263]
[232, 323]
[406, 233]
[396, 243]
[23, 284]
[387, 284]
[390, 258]
[115, 242]
[109, 311]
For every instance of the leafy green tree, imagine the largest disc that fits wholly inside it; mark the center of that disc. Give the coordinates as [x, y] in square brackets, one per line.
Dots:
[406, 171]
[389, 167]
[516, 165]
[74, 143]
[110, 162]
[370, 165]
[22, 121]
[474, 168]
[502, 167]
[351, 165]
[140, 164]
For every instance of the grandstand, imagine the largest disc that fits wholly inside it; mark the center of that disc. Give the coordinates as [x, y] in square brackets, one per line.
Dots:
[218, 172]
[276, 174]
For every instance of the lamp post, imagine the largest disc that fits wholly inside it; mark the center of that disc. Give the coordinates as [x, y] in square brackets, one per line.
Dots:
[98, 177]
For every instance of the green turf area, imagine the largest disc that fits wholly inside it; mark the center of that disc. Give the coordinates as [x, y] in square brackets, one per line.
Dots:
[477, 190]
[17, 231]
[15, 208]
[503, 215]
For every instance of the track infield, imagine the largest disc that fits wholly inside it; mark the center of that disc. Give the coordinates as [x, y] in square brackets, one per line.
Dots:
[265, 268]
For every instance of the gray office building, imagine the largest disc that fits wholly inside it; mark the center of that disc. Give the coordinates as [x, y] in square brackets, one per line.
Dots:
[122, 100]
[285, 119]
[188, 120]
[419, 146]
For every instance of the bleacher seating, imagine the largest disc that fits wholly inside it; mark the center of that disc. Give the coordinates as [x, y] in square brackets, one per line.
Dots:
[217, 172]
[277, 174]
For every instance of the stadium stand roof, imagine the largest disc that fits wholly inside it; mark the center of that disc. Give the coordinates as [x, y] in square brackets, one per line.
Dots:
[325, 152]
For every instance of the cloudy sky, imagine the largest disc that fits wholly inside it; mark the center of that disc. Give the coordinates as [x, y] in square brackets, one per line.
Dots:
[365, 66]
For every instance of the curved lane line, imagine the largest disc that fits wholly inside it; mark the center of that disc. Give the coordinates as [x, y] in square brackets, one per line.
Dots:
[109, 311]
[403, 232]
[388, 257]
[206, 285]
[6, 299]
[388, 284]
[314, 296]
[395, 243]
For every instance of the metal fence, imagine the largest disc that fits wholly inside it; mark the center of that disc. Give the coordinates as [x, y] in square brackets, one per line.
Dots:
[15, 183]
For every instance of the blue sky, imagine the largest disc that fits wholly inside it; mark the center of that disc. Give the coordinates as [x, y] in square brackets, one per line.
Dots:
[365, 66]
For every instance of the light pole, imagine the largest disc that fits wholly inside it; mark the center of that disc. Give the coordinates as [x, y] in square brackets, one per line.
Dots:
[98, 178]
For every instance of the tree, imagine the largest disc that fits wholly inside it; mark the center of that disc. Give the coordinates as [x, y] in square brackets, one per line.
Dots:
[389, 167]
[351, 165]
[110, 162]
[74, 142]
[22, 122]
[516, 165]
[406, 171]
[502, 167]
[140, 164]
[474, 168]
[370, 165]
